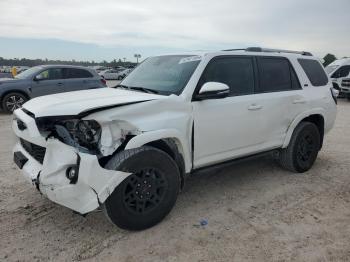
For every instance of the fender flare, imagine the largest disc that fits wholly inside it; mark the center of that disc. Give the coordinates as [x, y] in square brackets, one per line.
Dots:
[150, 136]
[298, 119]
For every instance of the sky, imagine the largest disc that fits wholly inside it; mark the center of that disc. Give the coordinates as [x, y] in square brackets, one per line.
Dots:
[110, 29]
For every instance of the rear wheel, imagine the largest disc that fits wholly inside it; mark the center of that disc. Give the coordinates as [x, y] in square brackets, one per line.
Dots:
[145, 197]
[13, 101]
[303, 148]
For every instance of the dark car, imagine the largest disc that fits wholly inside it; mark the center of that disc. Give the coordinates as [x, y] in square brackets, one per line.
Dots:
[46, 80]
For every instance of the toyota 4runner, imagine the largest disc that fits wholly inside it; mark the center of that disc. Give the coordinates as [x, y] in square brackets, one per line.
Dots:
[128, 149]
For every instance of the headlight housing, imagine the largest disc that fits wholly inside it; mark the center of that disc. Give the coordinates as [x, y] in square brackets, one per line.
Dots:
[74, 132]
[86, 133]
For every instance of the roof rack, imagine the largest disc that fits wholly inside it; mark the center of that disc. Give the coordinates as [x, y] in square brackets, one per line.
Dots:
[269, 50]
[236, 49]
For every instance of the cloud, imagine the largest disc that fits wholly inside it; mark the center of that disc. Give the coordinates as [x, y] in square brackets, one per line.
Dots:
[315, 25]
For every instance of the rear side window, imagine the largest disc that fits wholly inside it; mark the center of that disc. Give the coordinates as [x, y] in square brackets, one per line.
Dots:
[314, 71]
[341, 72]
[77, 73]
[276, 74]
[236, 72]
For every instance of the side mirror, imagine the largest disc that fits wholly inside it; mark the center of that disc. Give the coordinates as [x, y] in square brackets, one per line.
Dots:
[38, 77]
[213, 90]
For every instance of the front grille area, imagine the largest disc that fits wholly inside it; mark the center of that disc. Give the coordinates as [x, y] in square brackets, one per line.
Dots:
[346, 83]
[37, 152]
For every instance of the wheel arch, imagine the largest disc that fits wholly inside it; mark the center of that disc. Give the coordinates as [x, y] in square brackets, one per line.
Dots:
[316, 116]
[14, 91]
[169, 141]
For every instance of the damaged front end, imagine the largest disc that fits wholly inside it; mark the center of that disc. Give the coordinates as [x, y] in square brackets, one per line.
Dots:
[70, 173]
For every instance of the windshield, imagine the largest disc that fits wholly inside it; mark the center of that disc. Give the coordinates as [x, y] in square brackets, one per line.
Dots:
[28, 72]
[163, 74]
[330, 69]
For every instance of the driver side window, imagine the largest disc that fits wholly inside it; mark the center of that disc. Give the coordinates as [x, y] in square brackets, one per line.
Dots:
[50, 74]
[236, 72]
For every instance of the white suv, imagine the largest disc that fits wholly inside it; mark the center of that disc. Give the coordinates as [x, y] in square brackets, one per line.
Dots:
[128, 150]
[339, 72]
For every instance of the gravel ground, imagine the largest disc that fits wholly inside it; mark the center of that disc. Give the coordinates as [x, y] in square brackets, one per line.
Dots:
[255, 212]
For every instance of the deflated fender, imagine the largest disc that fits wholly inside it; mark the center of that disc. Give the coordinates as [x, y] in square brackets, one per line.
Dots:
[94, 183]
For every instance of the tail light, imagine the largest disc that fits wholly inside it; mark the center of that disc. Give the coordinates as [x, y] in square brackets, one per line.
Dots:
[104, 81]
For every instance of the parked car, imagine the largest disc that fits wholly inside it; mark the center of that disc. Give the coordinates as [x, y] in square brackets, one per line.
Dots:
[44, 80]
[339, 72]
[21, 69]
[129, 150]
[345, 87]
[99, 69]
[124, 73]
[112, 74]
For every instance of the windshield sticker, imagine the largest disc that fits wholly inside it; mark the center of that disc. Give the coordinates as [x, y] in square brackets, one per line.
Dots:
[190, 59]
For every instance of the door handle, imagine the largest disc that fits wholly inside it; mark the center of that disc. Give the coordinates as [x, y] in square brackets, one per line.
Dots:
[60, 84]
[299, 101]
[254, 107]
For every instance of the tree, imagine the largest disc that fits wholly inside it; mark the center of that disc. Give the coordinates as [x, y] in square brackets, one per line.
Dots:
[329, 58]
[34, 62]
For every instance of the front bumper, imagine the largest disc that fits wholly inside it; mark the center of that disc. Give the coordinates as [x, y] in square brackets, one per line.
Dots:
[94, 183]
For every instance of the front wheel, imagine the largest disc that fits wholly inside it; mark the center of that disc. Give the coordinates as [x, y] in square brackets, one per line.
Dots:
[13, 101]
[146, 196]
[303, 148]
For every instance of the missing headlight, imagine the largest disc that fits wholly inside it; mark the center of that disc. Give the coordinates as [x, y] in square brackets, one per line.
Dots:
[86, 133]
[83, 134]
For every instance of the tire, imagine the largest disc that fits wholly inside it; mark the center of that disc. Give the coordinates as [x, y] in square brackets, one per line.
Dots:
[303, 148]
[145, 197]
[13, 101]
[120, 78]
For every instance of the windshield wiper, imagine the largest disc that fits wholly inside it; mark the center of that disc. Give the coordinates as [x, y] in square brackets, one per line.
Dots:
[137, 88]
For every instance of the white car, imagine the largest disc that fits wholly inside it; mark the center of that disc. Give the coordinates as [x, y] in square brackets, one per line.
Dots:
[112, 74]
[125, 72]
[129, 150]
[339, 72]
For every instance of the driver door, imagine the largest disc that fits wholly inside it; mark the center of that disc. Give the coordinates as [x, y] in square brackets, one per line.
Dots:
[227, 127]
[49, 81]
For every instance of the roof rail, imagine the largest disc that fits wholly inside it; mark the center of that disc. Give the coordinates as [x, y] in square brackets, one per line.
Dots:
[259, 49]
[235, 49]
[269, 50]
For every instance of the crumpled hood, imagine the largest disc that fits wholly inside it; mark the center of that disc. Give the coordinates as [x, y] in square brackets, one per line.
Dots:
[79, 102]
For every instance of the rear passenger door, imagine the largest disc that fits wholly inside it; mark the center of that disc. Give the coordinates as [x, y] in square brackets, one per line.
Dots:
[78, 79]
[280, 96]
